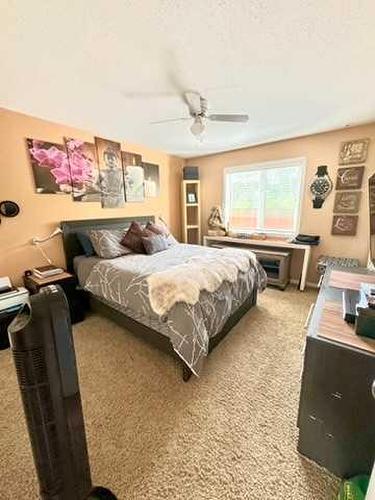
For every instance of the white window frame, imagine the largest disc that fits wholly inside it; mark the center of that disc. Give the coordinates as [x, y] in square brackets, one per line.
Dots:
[263, 166]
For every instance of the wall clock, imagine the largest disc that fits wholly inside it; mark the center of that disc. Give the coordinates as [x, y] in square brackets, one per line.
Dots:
[321, 186]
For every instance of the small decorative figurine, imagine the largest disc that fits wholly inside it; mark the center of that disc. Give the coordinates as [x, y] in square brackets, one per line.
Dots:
[321, 186]
[216, 226]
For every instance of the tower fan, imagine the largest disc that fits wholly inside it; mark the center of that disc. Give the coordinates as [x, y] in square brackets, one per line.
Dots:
[43, 351]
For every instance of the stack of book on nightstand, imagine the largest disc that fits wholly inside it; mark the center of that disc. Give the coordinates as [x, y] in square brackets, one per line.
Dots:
[11, 298]
[43, 272]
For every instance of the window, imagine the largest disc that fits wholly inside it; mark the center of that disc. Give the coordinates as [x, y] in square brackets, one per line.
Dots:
[264, 197]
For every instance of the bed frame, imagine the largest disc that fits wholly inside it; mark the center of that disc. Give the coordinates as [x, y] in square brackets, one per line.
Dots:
[72, 248]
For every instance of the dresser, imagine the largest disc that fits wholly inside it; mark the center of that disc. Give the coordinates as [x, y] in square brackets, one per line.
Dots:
[336, 417]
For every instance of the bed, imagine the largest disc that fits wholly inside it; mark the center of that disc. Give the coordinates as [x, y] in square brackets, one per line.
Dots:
[118, 289]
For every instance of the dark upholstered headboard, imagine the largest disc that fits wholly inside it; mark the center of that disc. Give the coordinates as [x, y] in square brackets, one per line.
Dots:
[72, 246]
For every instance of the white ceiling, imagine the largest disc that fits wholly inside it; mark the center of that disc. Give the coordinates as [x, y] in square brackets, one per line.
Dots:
[295, 66]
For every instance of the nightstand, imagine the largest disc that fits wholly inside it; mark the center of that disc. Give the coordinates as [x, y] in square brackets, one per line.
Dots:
[76, 298]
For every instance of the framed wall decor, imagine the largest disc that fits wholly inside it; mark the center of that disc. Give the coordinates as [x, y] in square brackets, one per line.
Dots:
[50, 166]
[353, 152]
[84, 170]
[152, 181]
[133, 177]
[349, 178]
[191, 198]
[344, 225]
[111, 175]
[347, 202]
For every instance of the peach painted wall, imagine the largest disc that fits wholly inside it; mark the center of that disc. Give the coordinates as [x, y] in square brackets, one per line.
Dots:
[320, 149]
[41, 213]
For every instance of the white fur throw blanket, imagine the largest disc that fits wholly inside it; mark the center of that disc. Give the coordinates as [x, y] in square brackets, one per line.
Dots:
[183, 283]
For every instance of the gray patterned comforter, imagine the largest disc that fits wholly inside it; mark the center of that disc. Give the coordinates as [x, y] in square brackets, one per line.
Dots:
[121, 282]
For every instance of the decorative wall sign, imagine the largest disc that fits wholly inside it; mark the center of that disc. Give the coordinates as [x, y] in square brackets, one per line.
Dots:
[353, 152]
[152, 181]
[344, 225]
[84, 170]
[321, 186]
[347, 202]
[349, 178]
[133, 177]
[50, 166]
[111, 175]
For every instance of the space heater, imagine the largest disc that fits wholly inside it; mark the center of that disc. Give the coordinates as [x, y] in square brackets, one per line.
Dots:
[43, 351]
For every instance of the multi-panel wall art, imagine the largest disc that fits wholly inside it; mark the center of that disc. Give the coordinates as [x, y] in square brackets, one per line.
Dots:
[348, 185]
[84, 170]
[50, 167]
[92, 172]
[111, 174]
[133, 177]
[347, 202]
[152, 181]
[349, 178]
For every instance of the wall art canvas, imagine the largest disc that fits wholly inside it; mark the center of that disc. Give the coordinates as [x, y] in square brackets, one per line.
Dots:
[133, 177]
[152, 181]
[349, 178]
[84, 170]
[353, 152]
[111, 175]
[50, 166]
[347, 202]
[344, 225]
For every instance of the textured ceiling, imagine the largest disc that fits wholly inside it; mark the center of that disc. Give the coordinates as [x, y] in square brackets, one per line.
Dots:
[295, 66]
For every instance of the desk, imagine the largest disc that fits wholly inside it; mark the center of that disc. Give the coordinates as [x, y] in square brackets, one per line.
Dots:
[211, 240]
[337, 407]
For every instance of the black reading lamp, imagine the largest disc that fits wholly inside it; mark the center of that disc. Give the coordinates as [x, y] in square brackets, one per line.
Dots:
[43, 351]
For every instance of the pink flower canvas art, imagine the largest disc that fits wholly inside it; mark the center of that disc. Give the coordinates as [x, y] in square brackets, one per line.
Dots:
[84, 170]
[50, 166]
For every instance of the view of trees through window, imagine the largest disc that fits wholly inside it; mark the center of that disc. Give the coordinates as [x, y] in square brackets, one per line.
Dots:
[263, 199]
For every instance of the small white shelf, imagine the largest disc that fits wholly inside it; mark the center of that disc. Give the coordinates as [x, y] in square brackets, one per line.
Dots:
[191, 217]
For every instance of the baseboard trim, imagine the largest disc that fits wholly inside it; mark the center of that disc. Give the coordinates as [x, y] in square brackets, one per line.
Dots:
[310, 284]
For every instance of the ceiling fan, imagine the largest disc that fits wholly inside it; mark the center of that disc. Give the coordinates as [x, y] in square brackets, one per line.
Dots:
[198, 110]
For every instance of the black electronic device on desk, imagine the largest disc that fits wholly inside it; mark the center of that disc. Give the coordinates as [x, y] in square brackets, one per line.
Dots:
[43, 351]
[365, 321]
[306, 239]
[350, 299]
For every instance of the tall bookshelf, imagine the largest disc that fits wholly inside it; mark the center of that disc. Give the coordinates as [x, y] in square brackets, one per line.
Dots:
[191, 212]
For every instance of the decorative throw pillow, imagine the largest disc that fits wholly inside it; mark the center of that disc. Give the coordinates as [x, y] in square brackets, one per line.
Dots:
[160, 227]
[133, 237]
[106, 243]
[155, 243]
[86, 244]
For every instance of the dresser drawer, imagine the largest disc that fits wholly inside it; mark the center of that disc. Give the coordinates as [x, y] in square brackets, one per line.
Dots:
[344, 456]
[337, 407]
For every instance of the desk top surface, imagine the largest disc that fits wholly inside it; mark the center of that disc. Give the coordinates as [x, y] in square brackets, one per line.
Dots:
[267, 242]
[327, 321]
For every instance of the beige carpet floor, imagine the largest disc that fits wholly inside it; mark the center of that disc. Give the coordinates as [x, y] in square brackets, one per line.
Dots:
[229, 435]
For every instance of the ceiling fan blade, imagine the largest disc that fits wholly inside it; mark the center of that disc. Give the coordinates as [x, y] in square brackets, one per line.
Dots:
[170, 120]
[147, 95]
[229, 118]
[193, 100]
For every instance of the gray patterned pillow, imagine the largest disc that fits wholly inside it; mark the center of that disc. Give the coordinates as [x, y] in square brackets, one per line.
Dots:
[155, 243]
[106, 242]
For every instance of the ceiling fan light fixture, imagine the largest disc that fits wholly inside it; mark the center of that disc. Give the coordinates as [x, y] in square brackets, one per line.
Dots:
[198, 126]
